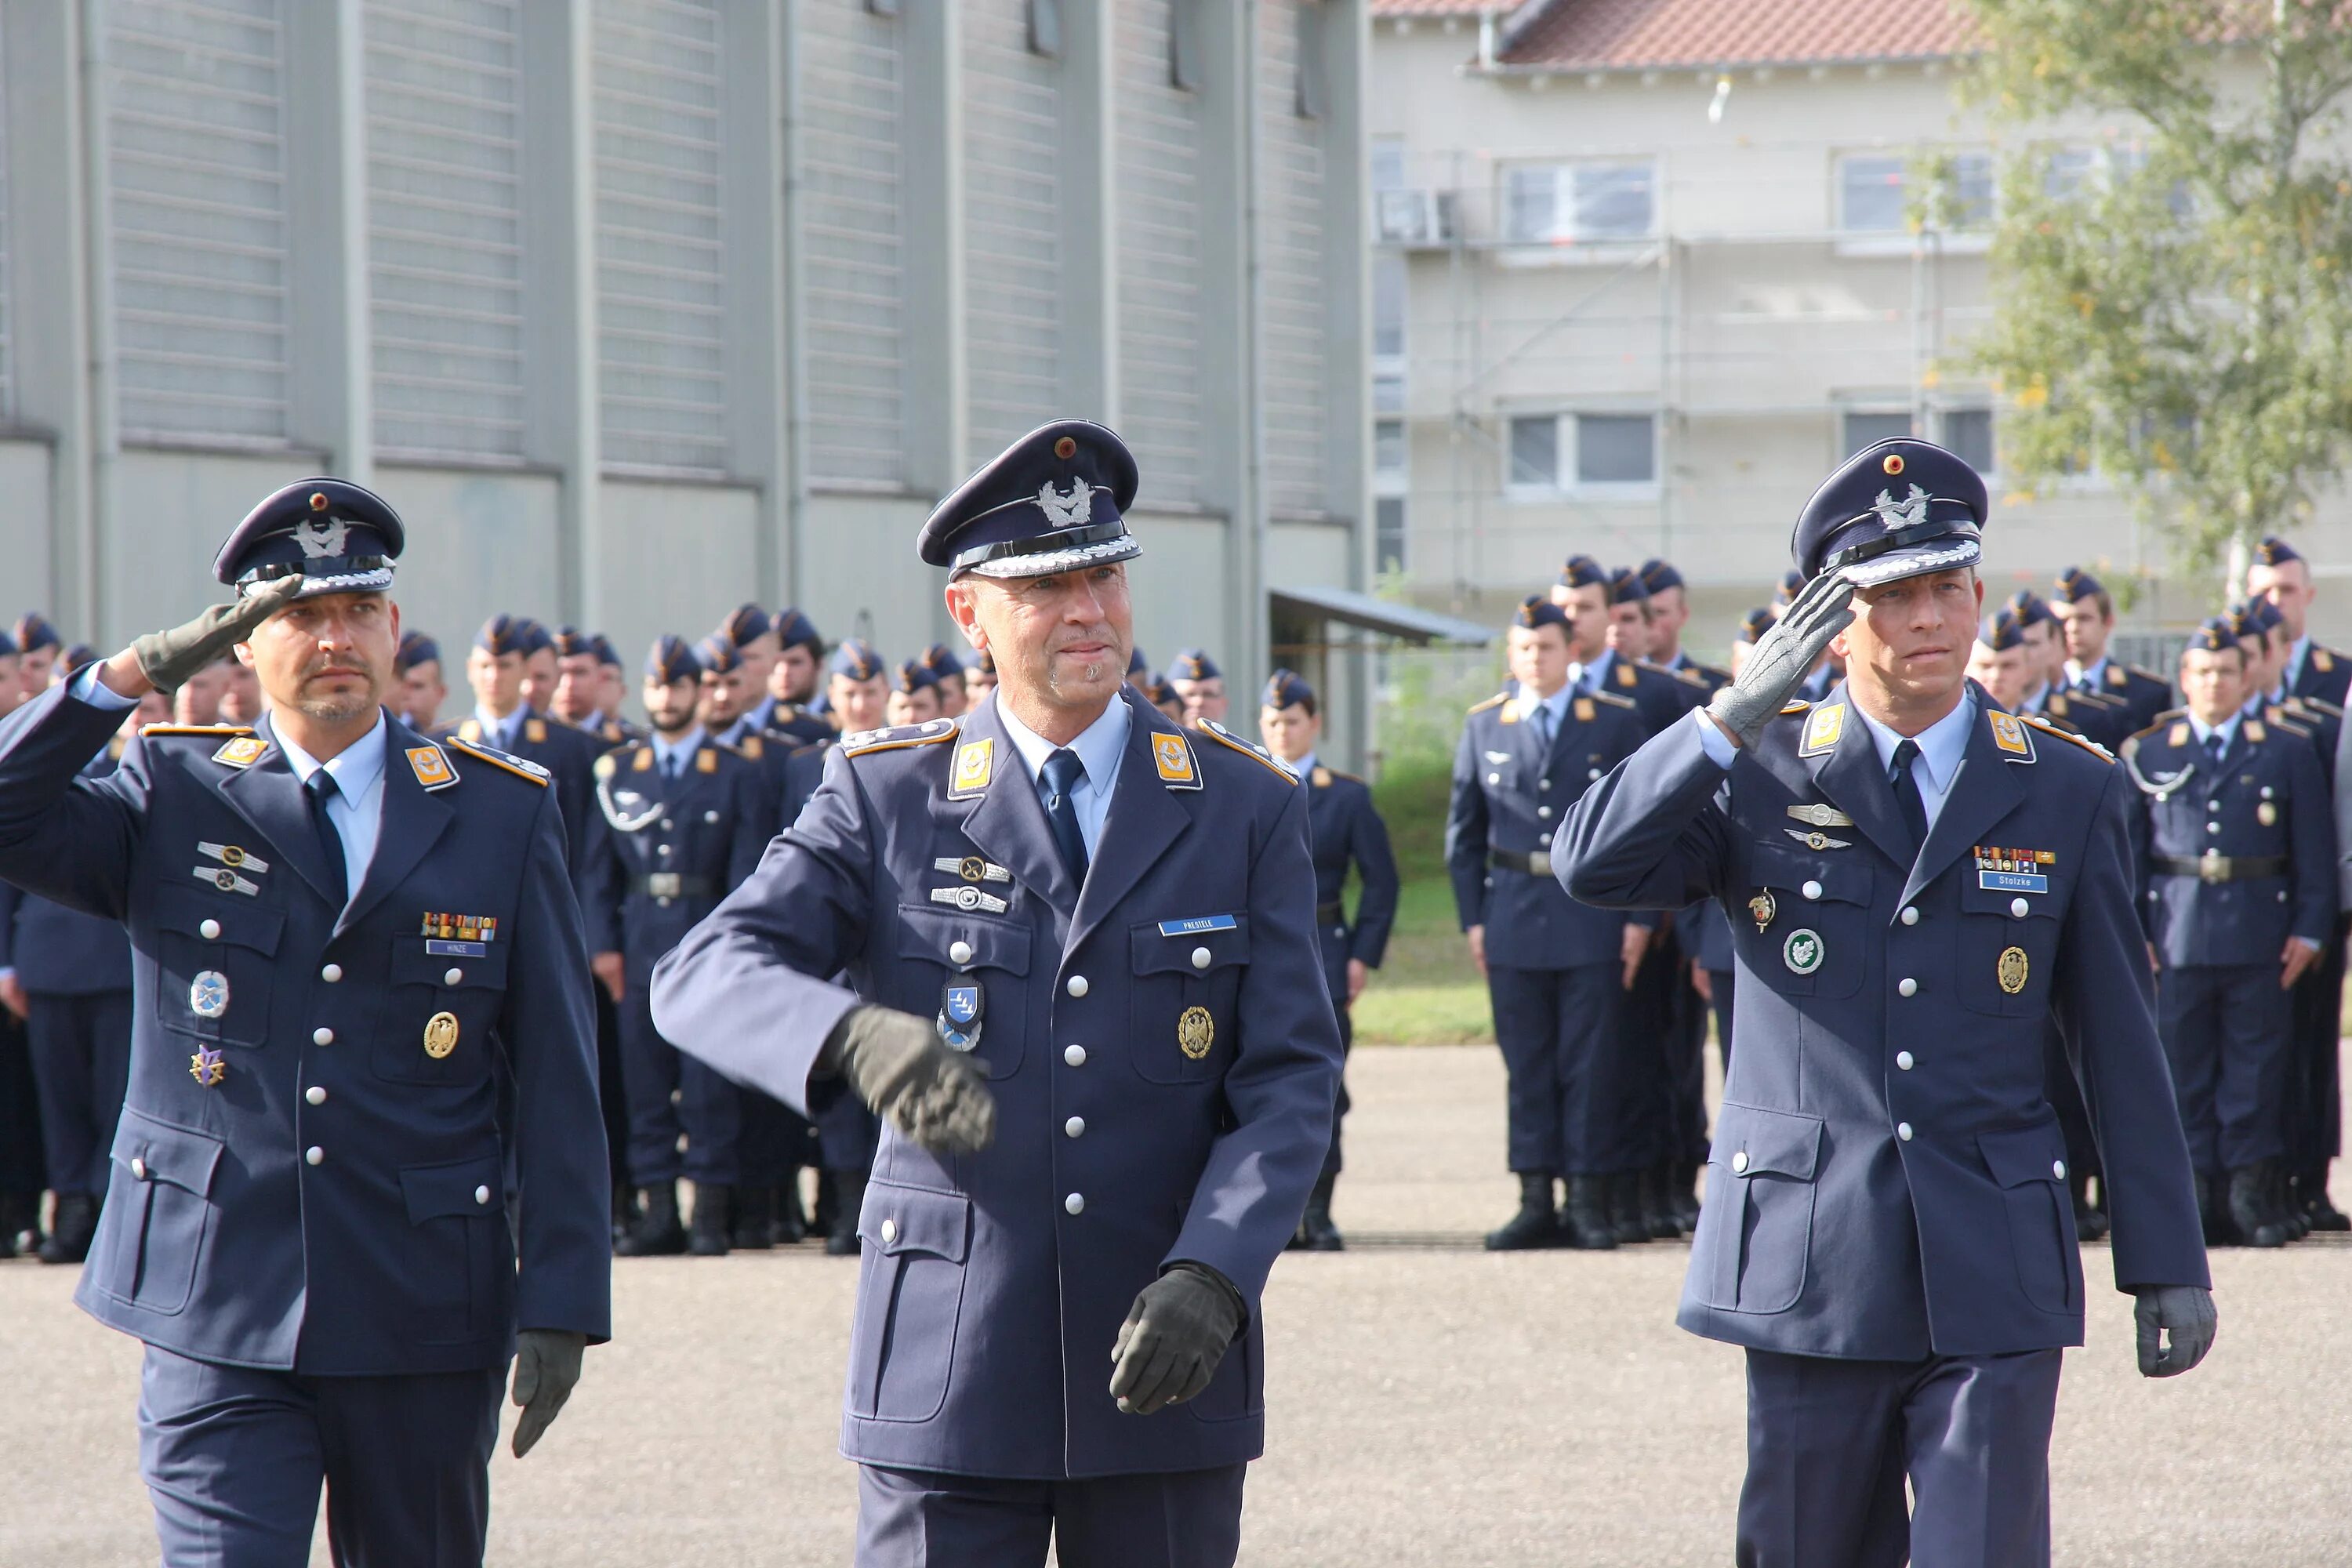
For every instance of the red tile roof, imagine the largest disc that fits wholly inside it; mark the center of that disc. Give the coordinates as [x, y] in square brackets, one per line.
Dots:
[1640, 35]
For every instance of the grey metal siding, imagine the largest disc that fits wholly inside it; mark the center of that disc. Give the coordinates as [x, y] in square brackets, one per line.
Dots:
[1159, 259]
[1293, 244]
[445, 227]
[196, 175]
[1012, 225]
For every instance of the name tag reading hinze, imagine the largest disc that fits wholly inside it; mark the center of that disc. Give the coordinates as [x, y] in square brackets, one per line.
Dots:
[456, 949]
[1196, 924]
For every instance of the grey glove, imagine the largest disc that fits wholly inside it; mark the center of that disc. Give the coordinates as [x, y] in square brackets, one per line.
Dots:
[546, 1367]
[901, 1066]
[2186, 1311]
[168, 659]
[1173, 1338]
[1777, 665]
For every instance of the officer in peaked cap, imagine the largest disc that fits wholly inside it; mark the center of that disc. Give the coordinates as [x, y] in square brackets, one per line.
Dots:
[2279, 574]
[1918, 886]
[1669, 612]
[2087, 612]
[1344, 829]
[361, 1031]
[1071, 933]
[1556, 970]
[1200, 684]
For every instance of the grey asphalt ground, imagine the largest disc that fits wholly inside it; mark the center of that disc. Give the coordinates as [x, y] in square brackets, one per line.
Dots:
[1428, 1403]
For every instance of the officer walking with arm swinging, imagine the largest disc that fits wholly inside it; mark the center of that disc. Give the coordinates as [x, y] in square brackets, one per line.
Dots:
[1917, 886]
[1077, 931]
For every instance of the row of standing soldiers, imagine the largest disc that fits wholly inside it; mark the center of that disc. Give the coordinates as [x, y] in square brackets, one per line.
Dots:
[1602, 1015]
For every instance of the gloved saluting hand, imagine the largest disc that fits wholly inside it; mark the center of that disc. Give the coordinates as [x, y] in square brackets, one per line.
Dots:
[1173, 1338]
[168, 659]
[897, 1065]
[1777, 665]
[2187, 1312]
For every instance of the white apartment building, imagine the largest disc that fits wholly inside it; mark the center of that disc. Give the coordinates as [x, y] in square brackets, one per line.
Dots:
[638, 309]
[1645, 270]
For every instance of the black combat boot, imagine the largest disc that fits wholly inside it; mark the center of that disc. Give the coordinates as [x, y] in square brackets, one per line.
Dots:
[2284, 1206]
[625, 1207]
[791, 1224]
[828, 1202]
[20, 1223]
[2313, 1199]
[848, 1198]
[1685, 1197]
[714, 1208]
[1585, 1226]
[656, 1232]
[1535, 1224]
[76, 1223]
[754, 1211]
[1658, 1203]
[1625, 1208]
[2249, 1207]
[1315, 1232]
[2090, 1225]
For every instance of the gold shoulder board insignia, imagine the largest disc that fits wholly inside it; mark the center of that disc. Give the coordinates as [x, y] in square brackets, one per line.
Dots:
[752, 747]
[1584, 710]
[2076, 736]
[926, 734]
[1211, 728]
[1612, 698]
[2116, 676]
[521, 767]
[705, 761]
[1799, 706]
[1321, 778]
[2009, 734]
[2254, 731]
[2180, 736]
[1627, 675]
[431, 766]
[606, 765]
[241, 752]
[1171, 755]
[2320, 705]
[1494, 700]
[535, 732]
[194, 729]
[645, 763]
[1821, 731]
[2323, 660]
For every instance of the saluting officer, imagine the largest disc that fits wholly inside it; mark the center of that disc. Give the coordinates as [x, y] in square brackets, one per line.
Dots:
[1917, 885]
[1344, 829]
[2236, 853]
[1556, 972]
[1100, 919]
[2086, 614]
[365, 1009]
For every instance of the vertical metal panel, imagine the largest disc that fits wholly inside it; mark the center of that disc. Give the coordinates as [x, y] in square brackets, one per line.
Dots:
[196, 173]
[1159, 259]
[661, 307]
[853, 239]
[1294, 247]
[7, 310]
[1012, 225]
[444, 226]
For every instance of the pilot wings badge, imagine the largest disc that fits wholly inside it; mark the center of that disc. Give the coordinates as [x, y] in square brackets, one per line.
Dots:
[319, 537]
[1067, 509]
[1909, 512]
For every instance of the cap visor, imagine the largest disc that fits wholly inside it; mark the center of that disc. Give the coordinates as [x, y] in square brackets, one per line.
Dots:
[1046, 562]
[373, 580]
[1939, 555]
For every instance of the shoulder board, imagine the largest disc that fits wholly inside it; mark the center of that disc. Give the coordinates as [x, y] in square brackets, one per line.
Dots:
[2087, 744]
[1211, 727]
[2163, 721]
[195, 730]
[1687, 674]
[2291, 727]
[750, 747]
[2323, 659]
[2168, 716]
[929, 734]
[1348, 777]
[1496, 700]
[1612, 699]
[522, 767]
[2320, 705]
[2145, 674]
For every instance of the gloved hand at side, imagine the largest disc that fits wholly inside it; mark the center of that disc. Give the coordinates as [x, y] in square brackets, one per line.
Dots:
[1778, 664]
[2187, 1312]
[899, 1067]
[1173, 1338]
[547, 1369]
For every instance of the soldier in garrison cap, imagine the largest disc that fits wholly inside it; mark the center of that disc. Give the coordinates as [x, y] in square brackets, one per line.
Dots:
[2086, 614]
[37, 647]
[1161, 694]
[1917, 885]
[1200, 685]
[2101, 717]
[914, 696]
[360, 1036]
[2236, 851]
[941, 661]
[1139, 669]
[499, 669]
[686, 821]
[758, 643]
[1343, 830]
[580, 687]
[2279, 574]
[423, 687]
[980, 678]
[1748, 633]
[1556, 972]
[1072, 934]
[1669, 612]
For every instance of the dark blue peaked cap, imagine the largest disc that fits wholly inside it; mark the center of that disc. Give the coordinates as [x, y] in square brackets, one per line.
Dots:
[1896, 509]
[1056, 501]
[339, 537]
[672, 659]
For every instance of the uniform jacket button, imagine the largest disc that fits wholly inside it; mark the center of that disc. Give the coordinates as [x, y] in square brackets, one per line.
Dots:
[1910, 914]
[2058, 1169]
[710, 817]
[138, 1170]
[332, 974]
[1544, 839]
[453, 976]
[1811, 890]
[1075, 1127]
[889, 1231]
[1199, 958]
[960, 953]
[322, 1037]
[1904, 1059]
[1075, 1203]
[1077, 985]
[1494, 778]
[2017, 908]
[315, 1095]
[1074, 1055]
[1902, 1130]
[1544, 812]
[315, 1155]
[1739, 1163]
[1907, 986]
[209, 930]
[668, 824]
[481, 1194]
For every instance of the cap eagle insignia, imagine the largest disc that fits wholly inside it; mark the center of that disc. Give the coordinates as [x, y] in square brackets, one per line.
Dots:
[1909, 512]
[321, 537]
[1067, 509]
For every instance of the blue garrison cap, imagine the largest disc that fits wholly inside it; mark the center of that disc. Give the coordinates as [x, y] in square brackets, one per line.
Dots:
[672, 659]
[70, 661]
[982, 660]
[1136, 663]
[415, 649]
[2006, 630]
[854, 659]
[35, 633]
[747, 625]
[2217, 636]
[1537, 610]
[1163, 695]
[1792, 581]
[793, 629]
[1658, 575]
[2254, 618]
[1896, 509]
[916, 676]
[1755, 624]
[1626, 587]
[1192, 664]
[940, 660]
[1056, 500]
[601, 647]
[2273, 551]
[341, 538]
[2074, 586]
[1582, 572]
[7, 643]
[718, 654]
[530, 636]
[1287, 688]
[570, 642]
[2030, 608]
[504, 634]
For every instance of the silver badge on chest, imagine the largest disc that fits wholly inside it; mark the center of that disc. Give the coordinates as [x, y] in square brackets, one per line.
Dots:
[208, 994]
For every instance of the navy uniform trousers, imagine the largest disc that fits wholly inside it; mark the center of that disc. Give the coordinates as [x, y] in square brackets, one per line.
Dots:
[1183, 1519]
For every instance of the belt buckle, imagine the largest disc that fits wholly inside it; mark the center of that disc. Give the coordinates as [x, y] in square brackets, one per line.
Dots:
[2211, 868]
[663, 884]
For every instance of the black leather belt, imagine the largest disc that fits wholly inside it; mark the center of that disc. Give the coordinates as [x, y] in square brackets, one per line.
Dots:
[2222, 868]
[673, 885]
[1333, 913]
[1532, 862]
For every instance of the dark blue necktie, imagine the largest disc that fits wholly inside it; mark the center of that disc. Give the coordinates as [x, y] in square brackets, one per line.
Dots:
[1543, 728]
[1907, 798]
[1063, 772]
[2213, 747]
[321, 788]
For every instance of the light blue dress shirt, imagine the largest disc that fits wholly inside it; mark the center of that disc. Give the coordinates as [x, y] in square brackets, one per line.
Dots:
[1099, 746]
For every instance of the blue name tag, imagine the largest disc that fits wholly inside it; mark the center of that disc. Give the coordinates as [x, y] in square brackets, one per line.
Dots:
[2012, 882]
[1197, 923]
[440, 948]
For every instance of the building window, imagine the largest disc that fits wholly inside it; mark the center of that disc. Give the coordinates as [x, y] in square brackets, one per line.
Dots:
[1387, 307]
[1388, 447]
[1871, 194]
[1970, 192]
[1388, 164]
[1388, 534]
[1535, 452]
[1584, 452]
[1967, 432]
[1554, 203]
[1869, 426]
[1388, 395]
[2069, 172]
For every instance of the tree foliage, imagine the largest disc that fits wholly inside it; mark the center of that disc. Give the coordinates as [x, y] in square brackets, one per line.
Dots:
[2177, 312]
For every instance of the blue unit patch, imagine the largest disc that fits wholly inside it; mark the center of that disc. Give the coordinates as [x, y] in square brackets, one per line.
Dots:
[962, 1003]
[1197, 923]
[2012, 882]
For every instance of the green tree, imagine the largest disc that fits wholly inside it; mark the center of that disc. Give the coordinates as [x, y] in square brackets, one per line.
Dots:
[2175, 308]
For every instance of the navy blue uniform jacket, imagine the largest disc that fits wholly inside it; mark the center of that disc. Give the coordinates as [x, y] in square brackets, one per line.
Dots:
[393, 1253]
[1157, 1052]
[707, 829]
[1827, 1231]
[62, 952]
[1343, 828]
